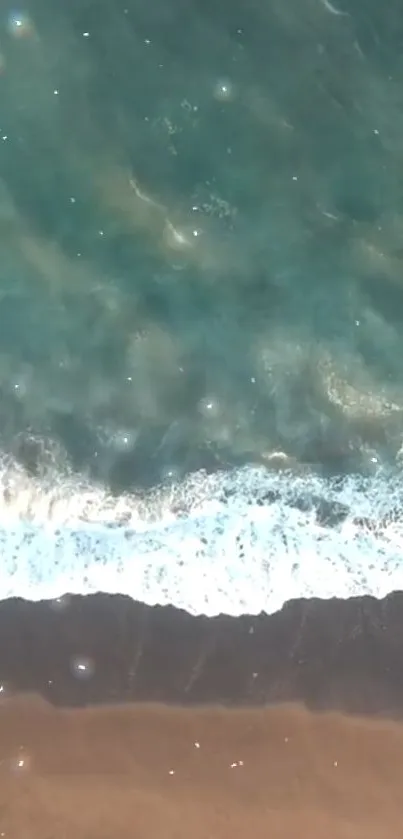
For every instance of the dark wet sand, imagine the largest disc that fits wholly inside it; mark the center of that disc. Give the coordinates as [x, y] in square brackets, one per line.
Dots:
[202, 727]
[341, 655]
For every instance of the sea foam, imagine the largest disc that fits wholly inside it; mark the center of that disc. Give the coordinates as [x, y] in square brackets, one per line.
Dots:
[236, 542]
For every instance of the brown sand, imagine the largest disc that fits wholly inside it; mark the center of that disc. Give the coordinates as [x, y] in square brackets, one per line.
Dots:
[216, 762]
[149, 771]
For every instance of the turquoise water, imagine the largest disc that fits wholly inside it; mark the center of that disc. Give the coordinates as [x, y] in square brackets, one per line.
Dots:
[201, 216]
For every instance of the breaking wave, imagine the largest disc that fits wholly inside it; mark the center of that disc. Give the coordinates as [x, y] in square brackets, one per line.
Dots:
[237, 542]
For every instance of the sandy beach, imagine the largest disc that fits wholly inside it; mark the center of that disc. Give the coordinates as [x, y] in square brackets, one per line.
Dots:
[155, 771]
[118, 720]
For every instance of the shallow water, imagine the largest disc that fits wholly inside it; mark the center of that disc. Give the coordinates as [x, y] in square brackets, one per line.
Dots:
[201, 220]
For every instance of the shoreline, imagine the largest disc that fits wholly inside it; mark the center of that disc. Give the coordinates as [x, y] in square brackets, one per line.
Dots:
[335, 654]
[118, 719]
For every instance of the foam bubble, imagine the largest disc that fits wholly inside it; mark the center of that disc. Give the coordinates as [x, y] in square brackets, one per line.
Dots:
[237, 542]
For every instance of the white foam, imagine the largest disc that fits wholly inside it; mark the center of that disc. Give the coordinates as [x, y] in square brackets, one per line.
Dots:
[235, 542]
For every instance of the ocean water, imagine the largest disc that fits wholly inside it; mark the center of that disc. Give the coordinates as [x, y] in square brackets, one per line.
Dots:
[201, 300]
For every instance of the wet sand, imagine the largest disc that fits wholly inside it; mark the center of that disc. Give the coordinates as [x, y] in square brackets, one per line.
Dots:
[339, 654]
[118, 720]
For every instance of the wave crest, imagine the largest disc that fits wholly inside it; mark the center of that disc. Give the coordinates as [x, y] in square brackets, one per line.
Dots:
[238, 542]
